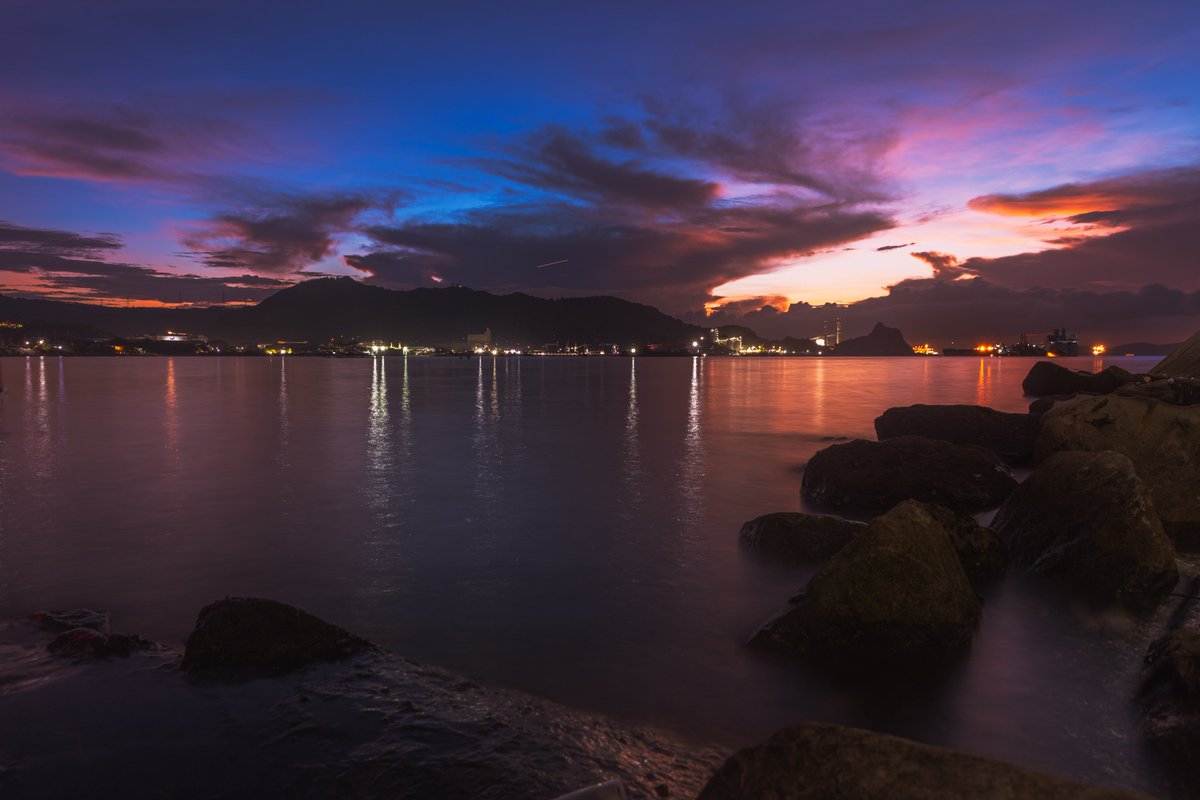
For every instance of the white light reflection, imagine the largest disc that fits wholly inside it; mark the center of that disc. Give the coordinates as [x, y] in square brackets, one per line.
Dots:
[692, 468]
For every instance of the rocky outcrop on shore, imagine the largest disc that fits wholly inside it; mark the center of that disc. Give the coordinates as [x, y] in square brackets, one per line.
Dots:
[1010, 436]
[245, 637]
[980, 550]
[1048, 378]
[1162, 440]
[797, 538]
[1088, 520]
[875, 476]
[1183, 362]
[816, 762]
[896, 596]
[881, 341]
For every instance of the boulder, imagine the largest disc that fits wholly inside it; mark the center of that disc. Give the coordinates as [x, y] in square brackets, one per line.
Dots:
[244, 637]
[1162, 440]
[798, 538]
[1047, 377]
[1010, 436]
[1039, 407]
[1170, 698]
[896, 595]
[1184, 362]
[874, 476]
[815, 761]
[980, 550]
[1177, 391]
[1087, 519]
[90, 643]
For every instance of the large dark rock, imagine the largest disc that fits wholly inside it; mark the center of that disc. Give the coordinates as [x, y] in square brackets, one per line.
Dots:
[1170, 697]
[818, 762]
[1183, 362]
[881, 341]
[980, 550]
[1047, 377]
[1039, 407]
[1162, 439]
[874, 476]
[1010, 436]
[798, 538]
[1177, 391]
[1087, 519]
[243, 637]
[895, 596]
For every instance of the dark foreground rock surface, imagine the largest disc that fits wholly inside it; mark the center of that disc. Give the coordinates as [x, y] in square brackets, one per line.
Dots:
[875, 476]
[819, 762]
[980, 550]
[1047, 377]
[896, 596]
[246, 637]
[1170, 696]
[1184, 362]
[1087, 520]
[372, 726]
[798, 538]
[1161, 439]
[1010, 436]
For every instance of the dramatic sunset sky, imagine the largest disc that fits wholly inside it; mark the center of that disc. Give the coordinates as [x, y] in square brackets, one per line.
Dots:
[956, 169]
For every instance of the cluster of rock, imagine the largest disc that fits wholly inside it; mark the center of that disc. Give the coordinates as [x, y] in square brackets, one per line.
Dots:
[1113, 494]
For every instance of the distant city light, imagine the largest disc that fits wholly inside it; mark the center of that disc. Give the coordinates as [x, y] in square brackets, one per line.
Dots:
[1098, 349]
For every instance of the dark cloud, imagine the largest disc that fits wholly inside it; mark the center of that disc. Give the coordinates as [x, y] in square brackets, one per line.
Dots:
[278, 235]
[69, 265]
[111, 143]
[945, 266]
[558, 160]
[887, 247]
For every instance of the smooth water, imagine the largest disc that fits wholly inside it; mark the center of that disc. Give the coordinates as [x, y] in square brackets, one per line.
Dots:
[564, 526]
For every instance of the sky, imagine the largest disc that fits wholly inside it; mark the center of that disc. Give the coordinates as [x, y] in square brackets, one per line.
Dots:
[964, 171]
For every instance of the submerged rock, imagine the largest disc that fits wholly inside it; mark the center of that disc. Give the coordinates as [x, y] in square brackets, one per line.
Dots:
[1161, 439]
[980, 550]
[68, 619]
[1088, 520]
[798, 538]
[243, 637]
[896, 595]
[815, 762]
[87, 642]
[1010, 436]
[874, 476]
[1047, 377]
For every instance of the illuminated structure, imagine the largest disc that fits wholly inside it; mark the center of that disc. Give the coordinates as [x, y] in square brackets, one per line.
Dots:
[480, 341]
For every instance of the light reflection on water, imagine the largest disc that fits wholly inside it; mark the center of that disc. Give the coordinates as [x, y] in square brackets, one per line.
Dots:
[564, 526]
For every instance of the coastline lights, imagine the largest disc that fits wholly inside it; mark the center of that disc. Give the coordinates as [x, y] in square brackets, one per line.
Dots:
[1099, 349]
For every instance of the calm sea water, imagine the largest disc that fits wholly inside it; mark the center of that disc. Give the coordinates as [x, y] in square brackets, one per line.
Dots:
[562, 526]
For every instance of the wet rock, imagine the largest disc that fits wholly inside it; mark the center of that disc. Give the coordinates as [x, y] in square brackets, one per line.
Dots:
[980, 550]
[1047, 377]
[814, 762]
[874, 476]
[90, 643]
[244, 637]
[68, 619]
[798, 538]
[1162, 440]
[1088, 520]
[1170, 697]
[1177, 391]
[896, 595]
[1010, 436]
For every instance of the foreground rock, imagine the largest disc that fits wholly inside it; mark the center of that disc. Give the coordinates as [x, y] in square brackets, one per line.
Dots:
[68, 619]
[1162, 440]
[874, 476]
[1086, 519]
[1010, 436]
[1047, 377]
[980, 550]
[815, 762]
[1170, 695]
[798, 538]
[1176, 391]
[244, 637]
[88, 643]
[1184, 362]
[895, 596]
